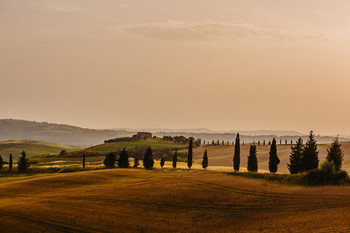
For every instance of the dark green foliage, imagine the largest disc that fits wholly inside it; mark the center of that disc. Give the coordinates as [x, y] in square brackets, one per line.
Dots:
[10, 162]
[335, 154]
[162, 160]
[190, 154]
[252, 159]
[205, 160]
[63, 153]
[175, 159]
[326, 175]
[1, 162]
[84, 160]
[148, 159]
[110, 160]
[123, 160]
[310, 160]
[237, 155]
[23, 164]
[136, 162]
[273, 159]
[295, 157]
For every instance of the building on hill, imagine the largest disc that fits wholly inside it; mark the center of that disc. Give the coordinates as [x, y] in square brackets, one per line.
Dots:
[143, 135]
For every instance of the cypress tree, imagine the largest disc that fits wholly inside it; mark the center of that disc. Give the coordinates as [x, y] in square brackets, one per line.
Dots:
[295, 157]
[310, 160]
[1, 162]
[83, 160]
[190, 154]
[273, 159]
[205, 160]
[237, 155]
[22, 164]
[123, 160]
[10, 162]
[252, 159]
[136, 162]
[148, 159]
[110, 160]
[335, 153]
[162, 160]
[175, 159]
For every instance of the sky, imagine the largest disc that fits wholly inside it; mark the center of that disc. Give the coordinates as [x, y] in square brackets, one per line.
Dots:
[223, 65]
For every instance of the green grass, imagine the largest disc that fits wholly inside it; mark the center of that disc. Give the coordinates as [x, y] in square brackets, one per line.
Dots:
[32, 148]
[153, 143]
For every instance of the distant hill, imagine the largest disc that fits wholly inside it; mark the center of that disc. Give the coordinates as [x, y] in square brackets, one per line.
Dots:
[64, 134]
[31, 147]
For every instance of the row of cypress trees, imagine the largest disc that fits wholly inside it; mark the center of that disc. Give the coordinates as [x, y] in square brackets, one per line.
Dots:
[22, 164]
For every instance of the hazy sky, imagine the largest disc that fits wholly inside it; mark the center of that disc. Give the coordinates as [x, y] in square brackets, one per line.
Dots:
[226, 64]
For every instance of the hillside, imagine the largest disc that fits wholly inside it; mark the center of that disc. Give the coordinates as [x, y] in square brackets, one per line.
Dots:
[138, 200]
[223, 156]
[31, 147]
[63, 134]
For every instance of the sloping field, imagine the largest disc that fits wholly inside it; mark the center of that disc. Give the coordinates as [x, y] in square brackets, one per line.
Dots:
[118, 146]
[223, 156]
[31, 147]
[136, 200]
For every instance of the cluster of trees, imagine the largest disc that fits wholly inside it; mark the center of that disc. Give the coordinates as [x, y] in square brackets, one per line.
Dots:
[22, 164]
[183, 140]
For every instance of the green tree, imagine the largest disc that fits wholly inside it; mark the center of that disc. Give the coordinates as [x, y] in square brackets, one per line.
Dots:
[335, 154]
[83, 160]
[162, 161]
[273, 159]
[63, 153]
[310, 160]
[148, 161]
[237, 155]
[252, 159]
[295, 157]
[190, 154]
[205, 160]
[23, 164]
[136, 162]
[1, 162]
[123, 160]
[110, 160]
[175, 159]
[10, 162]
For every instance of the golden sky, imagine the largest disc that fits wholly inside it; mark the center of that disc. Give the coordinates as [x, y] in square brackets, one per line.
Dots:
[225, 65]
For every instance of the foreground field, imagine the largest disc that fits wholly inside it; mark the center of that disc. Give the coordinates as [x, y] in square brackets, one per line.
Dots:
[223, 156]
[137, 200]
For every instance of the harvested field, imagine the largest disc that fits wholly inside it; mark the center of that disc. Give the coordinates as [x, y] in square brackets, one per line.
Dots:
[137, 200]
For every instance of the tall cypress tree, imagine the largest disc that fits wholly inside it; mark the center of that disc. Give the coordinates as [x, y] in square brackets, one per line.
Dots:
[1, 162]
[295, 157]
[175, 159]
[10, 162]
[190, 154]
[162, 161]
[310, 160]
[273, 159]
[237, 155]
[110, 159]
[252, 159]
[22, 164]
[205, 160]
[335, 153]
[83, 160]
[148, 161]
[123, 160]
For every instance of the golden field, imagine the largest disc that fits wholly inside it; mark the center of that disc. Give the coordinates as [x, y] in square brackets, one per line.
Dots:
[138, 200]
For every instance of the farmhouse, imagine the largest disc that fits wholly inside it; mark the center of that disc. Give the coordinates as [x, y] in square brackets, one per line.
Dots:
[143, 135]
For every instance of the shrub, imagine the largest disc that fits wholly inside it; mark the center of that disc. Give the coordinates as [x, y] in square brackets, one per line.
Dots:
[123, 160]
[110, 160]
[326, 175]
[23, 164]
[148, 159]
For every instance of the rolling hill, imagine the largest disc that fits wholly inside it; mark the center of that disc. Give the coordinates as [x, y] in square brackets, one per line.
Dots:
[31, 147]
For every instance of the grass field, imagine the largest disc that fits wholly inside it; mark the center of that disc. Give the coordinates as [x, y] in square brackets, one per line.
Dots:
[138, 200]
[31, 147]
[223, 156]
[118, 146]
